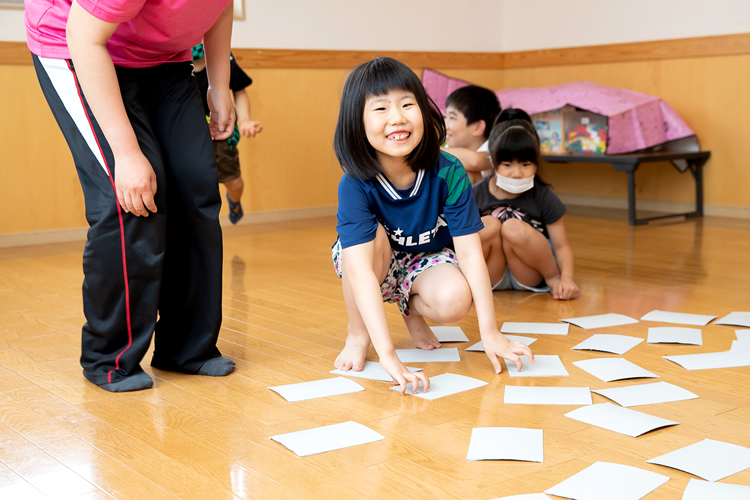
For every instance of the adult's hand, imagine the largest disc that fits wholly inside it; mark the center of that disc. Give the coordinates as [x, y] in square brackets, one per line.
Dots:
[135, 183]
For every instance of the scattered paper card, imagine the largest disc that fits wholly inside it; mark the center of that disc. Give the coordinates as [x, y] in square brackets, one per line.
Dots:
[711, 360]
[708, 459]
[479, 346]
[616, 344]
[741, 346]
[521, 395]
[735, 319]
[449, 334]
[327, 438]
[615, 418]
[528, 496]
[646, 394]
[506, 443]
[443, 355]
[602, 479]
[742, 334]
[702, 490]
[535, 328]
[372, 371]
[679, 318]
[443, 385]
[675, 335]
[601, 321]
[611, 369]
[317, 389]
[543, 366]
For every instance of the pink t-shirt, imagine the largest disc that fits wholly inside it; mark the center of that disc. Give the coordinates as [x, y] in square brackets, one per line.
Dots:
[151, 32]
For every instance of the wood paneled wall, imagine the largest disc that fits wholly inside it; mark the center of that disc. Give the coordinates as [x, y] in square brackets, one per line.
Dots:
[291, 165]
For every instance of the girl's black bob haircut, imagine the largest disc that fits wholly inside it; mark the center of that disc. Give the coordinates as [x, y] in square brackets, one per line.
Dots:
[514, 137]
[375, 78]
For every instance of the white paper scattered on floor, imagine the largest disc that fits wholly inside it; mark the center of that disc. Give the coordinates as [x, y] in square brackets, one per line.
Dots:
[443, 385]
[521, 395]
[527, 496]
[611, 369]
[479, 346]
[679, 318]
[601, 321]
[616, 344]
[735, 319]
[741, 346]
[708, 459]
[705, 490]
[328, 438]
[675, 335]
[742, 334]
[611, 481]
[506, 443]
[712, 360]
[317, 389]
[544, 366]
[646, 394]
[372, 371]
[615, 418]
[444, 354]
[449, 334]
[535, 328]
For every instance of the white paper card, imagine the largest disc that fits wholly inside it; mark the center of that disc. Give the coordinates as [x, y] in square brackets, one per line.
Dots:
[711, 360]
[708, 459]
[646, 394]
[479, 347]
[317, 389]
[735, 319]
[528, 496]
[615, 418]
[520, 395]
[616, 344]
[610, 369]
[611, 481]
[444, 354]
[679, 318]
[741, 346]
[328, 438]
[372, 371]
[703, 490]
[742, 334]
[535, 328]
[675, 335]
[543, 366]
[449, 334]
[443, 385]
[601, 321]
[506, 443]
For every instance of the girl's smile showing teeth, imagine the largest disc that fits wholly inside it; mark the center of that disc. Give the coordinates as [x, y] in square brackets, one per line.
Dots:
[399, 136]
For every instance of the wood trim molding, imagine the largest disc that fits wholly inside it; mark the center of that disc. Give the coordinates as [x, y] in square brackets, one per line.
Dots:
[16, 53]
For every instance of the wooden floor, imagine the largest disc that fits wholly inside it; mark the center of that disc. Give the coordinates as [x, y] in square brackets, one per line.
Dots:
[284, 322]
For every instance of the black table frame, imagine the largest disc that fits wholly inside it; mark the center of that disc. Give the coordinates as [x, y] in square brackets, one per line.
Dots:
[630, 162]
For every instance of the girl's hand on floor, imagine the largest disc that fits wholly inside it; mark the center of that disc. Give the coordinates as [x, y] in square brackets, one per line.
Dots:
[402, 376]
[564, 289]
[497, 346]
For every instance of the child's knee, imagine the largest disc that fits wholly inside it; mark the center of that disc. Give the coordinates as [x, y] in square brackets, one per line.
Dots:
[492, 229]
[237, 183]
[515, 232]
[453, 302]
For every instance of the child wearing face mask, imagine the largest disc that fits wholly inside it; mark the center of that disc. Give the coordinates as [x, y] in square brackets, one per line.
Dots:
[408, 225]
[524, 240]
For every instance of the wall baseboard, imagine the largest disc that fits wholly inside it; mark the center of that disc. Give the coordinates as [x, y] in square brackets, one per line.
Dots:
[709, 209]
[79, 233]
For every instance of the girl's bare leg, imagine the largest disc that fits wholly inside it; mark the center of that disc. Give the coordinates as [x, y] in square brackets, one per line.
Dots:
[528, 253]
[492, 247]
[358, 340]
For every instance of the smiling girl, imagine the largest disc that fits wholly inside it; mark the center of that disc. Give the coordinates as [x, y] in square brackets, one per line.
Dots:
[408, 225]
[524, 240]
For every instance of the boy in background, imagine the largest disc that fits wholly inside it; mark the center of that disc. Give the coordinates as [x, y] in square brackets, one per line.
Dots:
[469, 115]
[227, 155]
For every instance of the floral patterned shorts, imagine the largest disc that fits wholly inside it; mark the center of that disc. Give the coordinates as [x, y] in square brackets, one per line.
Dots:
[403, 270]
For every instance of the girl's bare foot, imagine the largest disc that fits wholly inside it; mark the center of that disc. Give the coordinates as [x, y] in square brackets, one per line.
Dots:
[354, 353]
[421, 334]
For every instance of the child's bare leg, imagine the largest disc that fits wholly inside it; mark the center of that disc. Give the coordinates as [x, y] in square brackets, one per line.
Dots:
[528, 253]
[235, 188]
[439, 293]
[358, 339]
[492, 247]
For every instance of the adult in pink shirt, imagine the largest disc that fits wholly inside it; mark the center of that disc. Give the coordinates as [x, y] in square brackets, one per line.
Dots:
[117, 75]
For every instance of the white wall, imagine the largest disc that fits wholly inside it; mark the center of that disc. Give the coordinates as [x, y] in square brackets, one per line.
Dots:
[546, 24]
[11, 25]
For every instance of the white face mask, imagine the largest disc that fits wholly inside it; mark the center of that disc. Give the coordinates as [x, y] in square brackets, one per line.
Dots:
[514, 186]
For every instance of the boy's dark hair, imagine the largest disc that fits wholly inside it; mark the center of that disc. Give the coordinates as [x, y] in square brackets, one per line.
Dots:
[475, 103]
[516, 139]
[512, 114]
[375, 78]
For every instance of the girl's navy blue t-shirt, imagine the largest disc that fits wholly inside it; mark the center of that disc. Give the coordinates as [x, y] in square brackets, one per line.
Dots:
[422, 218]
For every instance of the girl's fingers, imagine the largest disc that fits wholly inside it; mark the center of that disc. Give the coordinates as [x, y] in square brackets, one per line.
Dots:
[494, 359]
